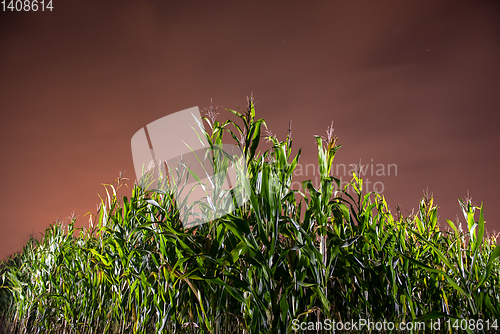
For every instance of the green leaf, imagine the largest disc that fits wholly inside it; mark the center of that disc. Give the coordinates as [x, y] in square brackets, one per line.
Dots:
[480, 229]
[493, 256]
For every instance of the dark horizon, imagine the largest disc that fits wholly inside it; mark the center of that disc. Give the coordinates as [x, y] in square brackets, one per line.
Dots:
[411, 83]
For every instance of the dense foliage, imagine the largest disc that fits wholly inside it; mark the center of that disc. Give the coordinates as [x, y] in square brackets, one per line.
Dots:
[285, 255]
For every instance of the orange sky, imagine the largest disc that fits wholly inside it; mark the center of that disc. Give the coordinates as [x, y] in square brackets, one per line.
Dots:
[411, 83]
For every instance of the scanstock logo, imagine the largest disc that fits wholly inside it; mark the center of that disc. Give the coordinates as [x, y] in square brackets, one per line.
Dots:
[173, 156]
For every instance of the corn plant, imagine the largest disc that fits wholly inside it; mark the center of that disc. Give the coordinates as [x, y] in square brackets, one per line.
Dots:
[315, 254]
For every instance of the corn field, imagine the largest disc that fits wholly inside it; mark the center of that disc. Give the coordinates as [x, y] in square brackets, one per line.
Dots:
[321, 253]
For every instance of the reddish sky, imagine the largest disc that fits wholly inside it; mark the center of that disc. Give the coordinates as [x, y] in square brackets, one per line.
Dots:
[411, 83]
